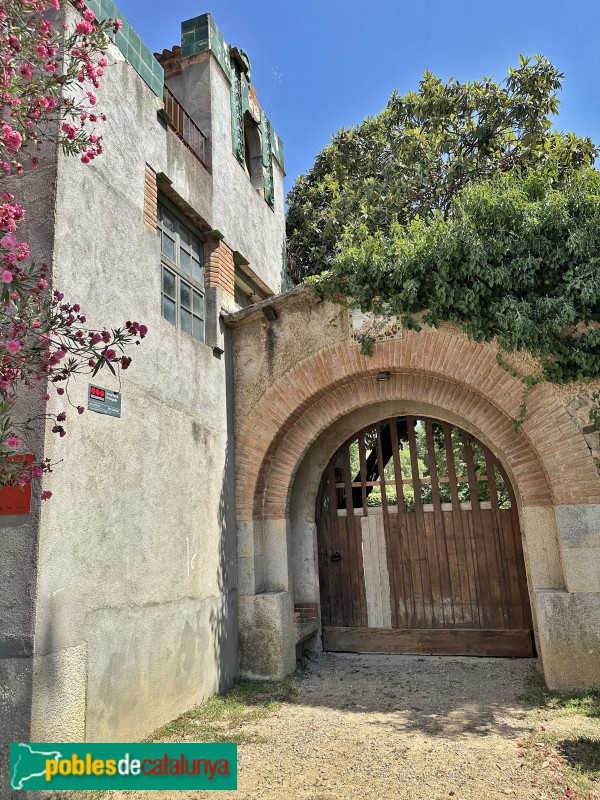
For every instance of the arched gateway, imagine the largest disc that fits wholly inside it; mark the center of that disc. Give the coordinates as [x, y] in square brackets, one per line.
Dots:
[419, 545]
[462, 554]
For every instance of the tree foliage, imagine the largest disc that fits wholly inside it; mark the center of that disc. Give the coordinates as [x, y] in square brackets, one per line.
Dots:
[414, 157]
[460, 203]
[516, 260]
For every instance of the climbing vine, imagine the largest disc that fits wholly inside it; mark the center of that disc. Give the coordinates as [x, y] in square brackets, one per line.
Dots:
[516, 261]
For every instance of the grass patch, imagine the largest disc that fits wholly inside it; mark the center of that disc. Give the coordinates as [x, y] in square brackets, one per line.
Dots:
[225, 716]
[536, 693]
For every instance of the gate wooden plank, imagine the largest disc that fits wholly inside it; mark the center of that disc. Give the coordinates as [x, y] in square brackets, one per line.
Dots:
[465, 642]
[478, 605]
[403, 594]
[352, 569]
[464, 575]
[426, 596]
[483, 577]
[500, 546]
[525, 602]
[333, 545]
[441, 549]
[518, 585]
[325, 592]
[454, 569]
[508, 535]
[362, 456]
[381, 468]
[490, 534]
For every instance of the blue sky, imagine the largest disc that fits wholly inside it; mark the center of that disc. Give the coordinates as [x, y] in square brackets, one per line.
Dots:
[319, 66]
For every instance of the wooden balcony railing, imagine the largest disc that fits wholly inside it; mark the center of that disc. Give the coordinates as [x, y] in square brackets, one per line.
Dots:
[186, 129]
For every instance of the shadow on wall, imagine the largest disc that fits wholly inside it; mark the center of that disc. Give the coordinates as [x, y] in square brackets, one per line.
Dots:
[223, 618]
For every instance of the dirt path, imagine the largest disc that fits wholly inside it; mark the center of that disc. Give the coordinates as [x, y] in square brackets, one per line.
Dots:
[406, 727]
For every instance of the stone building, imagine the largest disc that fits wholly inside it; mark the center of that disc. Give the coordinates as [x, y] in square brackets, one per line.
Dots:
[267, 485]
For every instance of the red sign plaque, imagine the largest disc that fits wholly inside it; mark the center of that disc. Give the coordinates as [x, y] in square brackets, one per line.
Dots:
[16, 499]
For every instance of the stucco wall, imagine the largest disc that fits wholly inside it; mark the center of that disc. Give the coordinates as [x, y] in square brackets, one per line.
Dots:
[248, 223]
[136, 589]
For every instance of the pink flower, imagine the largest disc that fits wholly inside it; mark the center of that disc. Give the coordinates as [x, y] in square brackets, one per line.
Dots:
[80, 409]
[84, 27]
[70, 130]
[60, 390]
[13, 346]
[38, 472]
[109, 354]
[36, 324]
[43, 284]
[46, 495]
[46, 397]
[6, 276]
[14, 441]
[9, 241]
[12, 139]
[23, 479]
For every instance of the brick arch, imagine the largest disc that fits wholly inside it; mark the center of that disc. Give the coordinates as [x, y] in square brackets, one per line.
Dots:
[548, 458]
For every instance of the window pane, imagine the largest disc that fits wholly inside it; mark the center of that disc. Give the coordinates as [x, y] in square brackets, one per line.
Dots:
[197, 271]
[185, 295]
[184, 260]
[197, 249]
[184, 235]
[186, 320]
[168, 311]
[198, 331]
[168, 246]
[167, 221]
[198, 304]
[169, 283]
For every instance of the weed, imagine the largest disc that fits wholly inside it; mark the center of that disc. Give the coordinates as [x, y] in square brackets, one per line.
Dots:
[223, 717]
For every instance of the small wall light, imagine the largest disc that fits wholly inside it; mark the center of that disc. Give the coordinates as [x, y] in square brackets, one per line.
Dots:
[383, 376]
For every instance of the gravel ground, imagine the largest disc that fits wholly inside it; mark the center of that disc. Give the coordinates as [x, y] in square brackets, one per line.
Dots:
[405, 727]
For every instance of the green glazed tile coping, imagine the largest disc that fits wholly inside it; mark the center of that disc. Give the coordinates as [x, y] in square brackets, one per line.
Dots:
[131, 45]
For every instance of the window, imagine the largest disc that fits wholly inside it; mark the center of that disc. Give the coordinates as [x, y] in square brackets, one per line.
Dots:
[182, 265]
[253, 153]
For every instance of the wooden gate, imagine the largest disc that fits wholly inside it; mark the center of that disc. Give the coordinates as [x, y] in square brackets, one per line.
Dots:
[419, 545]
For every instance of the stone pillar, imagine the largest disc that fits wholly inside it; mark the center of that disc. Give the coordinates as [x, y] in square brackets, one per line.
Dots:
[569, 618]
[267, 640]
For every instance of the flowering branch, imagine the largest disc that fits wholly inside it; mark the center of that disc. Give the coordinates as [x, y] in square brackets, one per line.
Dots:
[47, 74]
